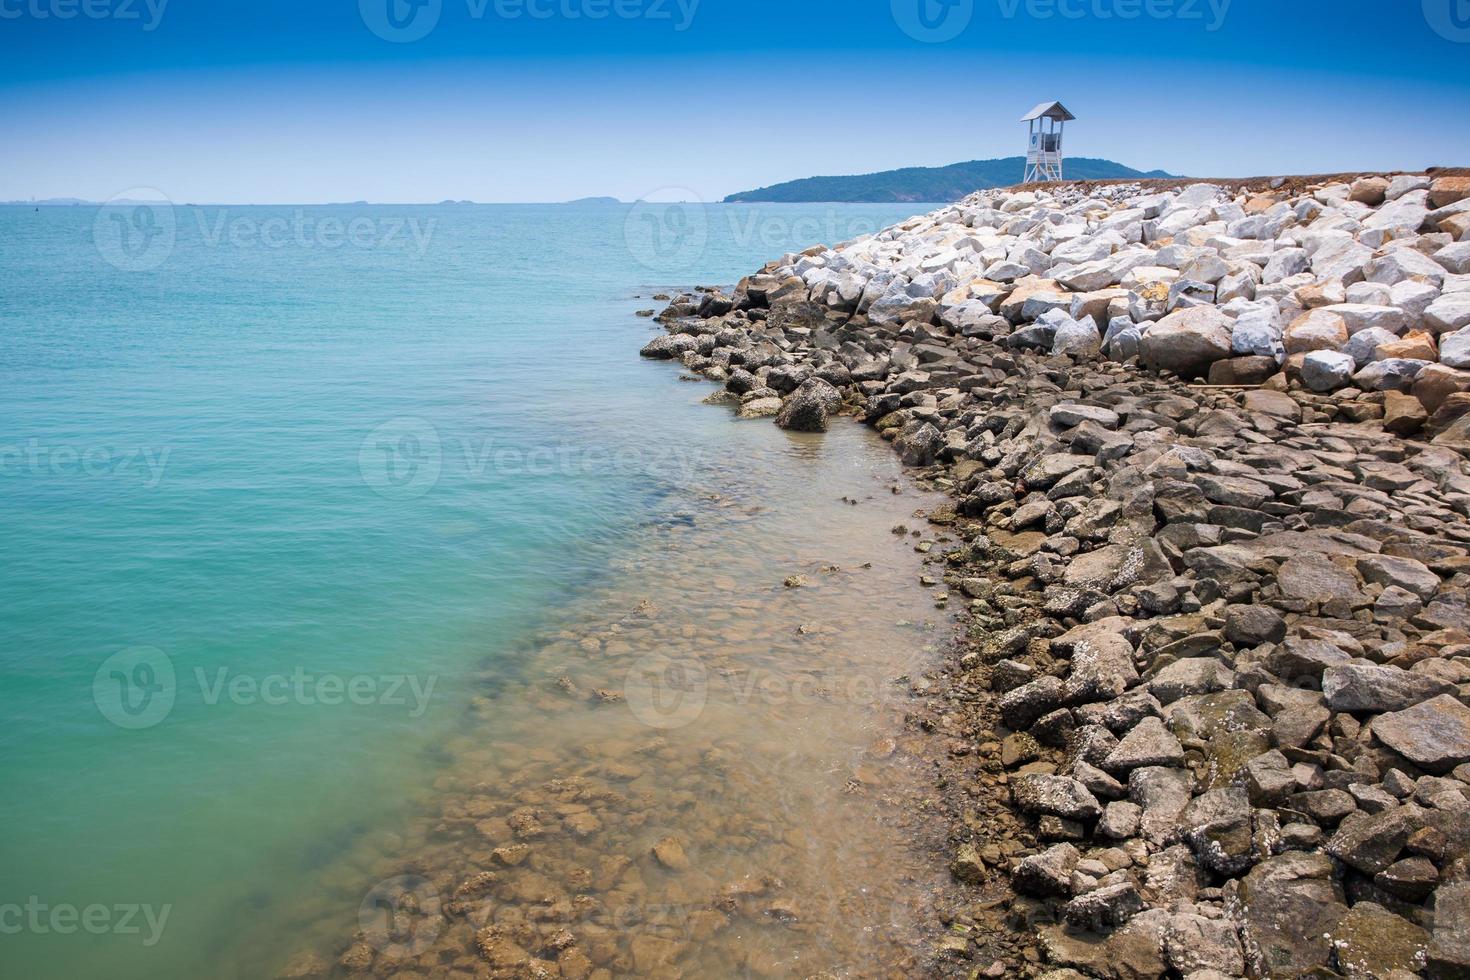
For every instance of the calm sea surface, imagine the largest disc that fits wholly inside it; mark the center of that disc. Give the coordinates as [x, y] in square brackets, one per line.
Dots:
[306, 508]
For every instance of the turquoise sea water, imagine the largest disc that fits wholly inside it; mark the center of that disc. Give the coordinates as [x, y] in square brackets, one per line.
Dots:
[277, 485]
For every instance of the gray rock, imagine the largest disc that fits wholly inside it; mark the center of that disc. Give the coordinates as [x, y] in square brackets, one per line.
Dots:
[920, 446]
[1079, 338]
[1258, 332]
[1363, 347]
[1120, 820]
[1405, 573]
[1193, 943]
[1070, 414]
[760, 408]
[1149, 744]
[1163, 794]
[1434, 735]
[1217, 826]
[1288, 908]
[1448, 956]
[1454, 349]
[807, 408]
[1372, 843]
[1047, 874]
[1285, 263]
[1327, 370]
[1391, 374]
[1253, 625]
[669, 347]
[1314, 578]
[1449, 313]
[1058, 796]
[1193, 675]
[1372, 942]
[1107, 907]
[1366, 687]
[1269, 779]
[1102, 669]
[1299, 658]
[1188, 341]
[1117, 567]
[1024, 706]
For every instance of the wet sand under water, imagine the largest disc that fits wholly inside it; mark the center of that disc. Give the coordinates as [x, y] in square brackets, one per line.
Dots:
[697, 769]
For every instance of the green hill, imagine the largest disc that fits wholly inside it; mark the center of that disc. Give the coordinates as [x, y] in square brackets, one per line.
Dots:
[929, 184]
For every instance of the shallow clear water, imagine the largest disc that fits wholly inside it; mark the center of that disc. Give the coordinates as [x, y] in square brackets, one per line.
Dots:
[287, 510]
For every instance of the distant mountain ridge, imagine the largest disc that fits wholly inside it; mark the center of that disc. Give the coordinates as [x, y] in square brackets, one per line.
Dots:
[936, 185]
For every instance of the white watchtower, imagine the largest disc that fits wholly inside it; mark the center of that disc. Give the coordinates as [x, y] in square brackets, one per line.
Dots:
[1044, 152]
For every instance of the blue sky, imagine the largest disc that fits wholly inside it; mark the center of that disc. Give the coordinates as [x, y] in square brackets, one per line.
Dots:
[536, 100]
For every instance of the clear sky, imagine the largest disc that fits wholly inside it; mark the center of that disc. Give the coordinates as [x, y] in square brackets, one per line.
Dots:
[301, 101]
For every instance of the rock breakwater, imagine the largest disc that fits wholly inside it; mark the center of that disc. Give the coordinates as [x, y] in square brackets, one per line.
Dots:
[1208, 714]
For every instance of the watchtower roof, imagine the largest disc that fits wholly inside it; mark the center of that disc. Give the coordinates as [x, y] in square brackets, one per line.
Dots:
[1049, 110]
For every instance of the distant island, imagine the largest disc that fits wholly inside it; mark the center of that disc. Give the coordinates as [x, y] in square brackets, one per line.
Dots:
[595, 200]
[937, 185]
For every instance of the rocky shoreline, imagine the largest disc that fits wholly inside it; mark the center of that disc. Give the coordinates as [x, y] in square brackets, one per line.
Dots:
[1207, 715]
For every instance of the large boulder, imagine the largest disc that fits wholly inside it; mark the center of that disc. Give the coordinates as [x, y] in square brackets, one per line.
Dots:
[1454, 348]
[806, 409]
[1436, 383]
[1448, 190]
[1288, 908]
[1057, 796]
[1188, 341]
[1449, 952]
[669, 347]
[1373, 942]
[1449, 313]
[1079, 338]
[1318, 329]
[1392, 374]
[1258, 332]
[1434, 735]
[1327, 370]
[1372, 843]
[1375, 689]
